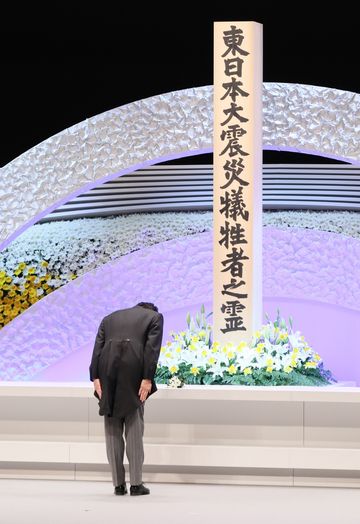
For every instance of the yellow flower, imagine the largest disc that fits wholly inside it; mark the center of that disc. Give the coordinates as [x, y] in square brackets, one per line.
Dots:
[2, 275]
[202, 334]
[259, 348]
[17, 272]
[241, 345]
[269, 369]
[232, 369]
[174, 369]
[178, 349]
[211, 360]
[8, 280]
[247, 371]
[31, 271]
[22, 266]
[231, 354]
[44, 263]
[310, 364]
[168, 354]
[194, 371]
[257, 334]
[283, 336]
[317, 357]
[192, 347]
[162, 349]
[204, 353]
[269, 361]
[288, 369]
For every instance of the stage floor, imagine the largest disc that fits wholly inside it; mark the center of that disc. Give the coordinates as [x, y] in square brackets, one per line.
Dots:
[44, 501]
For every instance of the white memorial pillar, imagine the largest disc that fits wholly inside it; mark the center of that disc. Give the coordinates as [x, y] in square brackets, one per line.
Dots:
[237, 306]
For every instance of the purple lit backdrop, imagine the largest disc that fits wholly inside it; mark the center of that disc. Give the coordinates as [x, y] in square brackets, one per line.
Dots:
[313, 276]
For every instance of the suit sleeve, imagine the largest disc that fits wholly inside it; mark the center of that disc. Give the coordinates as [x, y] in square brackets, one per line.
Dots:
[152, 346]
[99, 344]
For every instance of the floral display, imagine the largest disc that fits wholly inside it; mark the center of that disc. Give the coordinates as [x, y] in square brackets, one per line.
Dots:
[342, 222]
[49, 255]
[276, 355]
[25, 286]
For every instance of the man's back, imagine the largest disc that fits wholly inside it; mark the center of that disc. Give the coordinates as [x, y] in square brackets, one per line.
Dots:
[131, 323]
[125, 354]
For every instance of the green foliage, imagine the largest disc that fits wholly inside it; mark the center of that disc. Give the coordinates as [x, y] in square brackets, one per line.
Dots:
[310, 377]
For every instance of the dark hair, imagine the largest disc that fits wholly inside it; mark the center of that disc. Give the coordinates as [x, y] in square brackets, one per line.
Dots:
[148, 305]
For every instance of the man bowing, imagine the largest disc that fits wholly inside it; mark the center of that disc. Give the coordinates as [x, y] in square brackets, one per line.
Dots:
[123, 367]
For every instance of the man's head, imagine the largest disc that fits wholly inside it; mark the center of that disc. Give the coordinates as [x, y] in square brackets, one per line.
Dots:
[148, 305]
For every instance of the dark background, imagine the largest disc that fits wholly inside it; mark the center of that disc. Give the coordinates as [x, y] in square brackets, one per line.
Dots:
[64, 65]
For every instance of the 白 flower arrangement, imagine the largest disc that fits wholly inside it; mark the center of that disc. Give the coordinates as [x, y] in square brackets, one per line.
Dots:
[48, 256]
[72, 248]
[276, 355]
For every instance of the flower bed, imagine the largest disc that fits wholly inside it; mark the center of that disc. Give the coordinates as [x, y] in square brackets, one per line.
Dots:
[50, 255]
[47, 256]
[276, 355]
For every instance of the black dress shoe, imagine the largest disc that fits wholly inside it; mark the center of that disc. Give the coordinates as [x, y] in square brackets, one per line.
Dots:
[120, 490]
[139, 490]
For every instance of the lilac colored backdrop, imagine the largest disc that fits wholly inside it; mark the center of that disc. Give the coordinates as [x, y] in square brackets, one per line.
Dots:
[313, 276]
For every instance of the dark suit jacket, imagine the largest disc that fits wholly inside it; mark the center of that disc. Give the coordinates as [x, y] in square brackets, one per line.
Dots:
[126, 350]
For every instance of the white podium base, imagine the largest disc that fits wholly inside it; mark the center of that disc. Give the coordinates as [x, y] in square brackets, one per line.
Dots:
[213, 434]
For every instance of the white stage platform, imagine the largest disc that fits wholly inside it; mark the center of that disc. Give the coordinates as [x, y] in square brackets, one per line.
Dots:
[215, 434]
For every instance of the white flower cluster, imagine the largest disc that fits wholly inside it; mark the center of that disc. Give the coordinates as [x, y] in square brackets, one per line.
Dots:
[175, 382]
[78, 246]
[343, 222]
[186, 348]
[273, 348]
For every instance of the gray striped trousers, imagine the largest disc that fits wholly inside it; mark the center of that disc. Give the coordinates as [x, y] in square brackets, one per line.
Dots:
[115, 446]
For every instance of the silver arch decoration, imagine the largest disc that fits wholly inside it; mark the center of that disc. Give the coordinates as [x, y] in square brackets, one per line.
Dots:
[297, 117]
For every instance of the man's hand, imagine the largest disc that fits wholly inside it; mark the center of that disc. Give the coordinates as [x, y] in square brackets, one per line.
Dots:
[145, 388]
[97, 387]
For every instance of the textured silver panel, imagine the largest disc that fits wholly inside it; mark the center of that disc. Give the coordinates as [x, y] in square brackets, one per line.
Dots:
[312, 119]
[296, 117]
